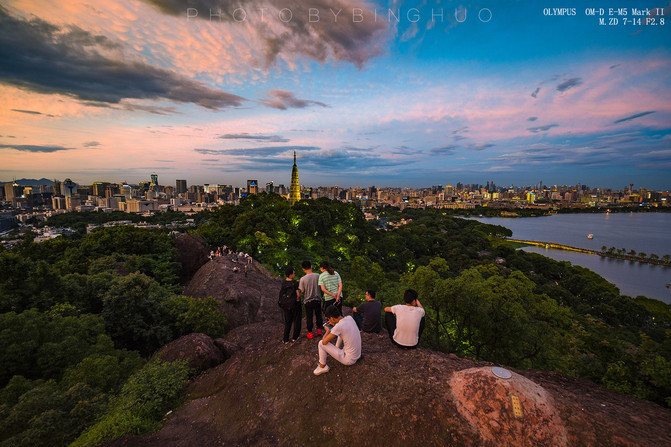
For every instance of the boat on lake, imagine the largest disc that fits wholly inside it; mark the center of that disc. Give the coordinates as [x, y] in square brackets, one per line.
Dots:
[590, 236]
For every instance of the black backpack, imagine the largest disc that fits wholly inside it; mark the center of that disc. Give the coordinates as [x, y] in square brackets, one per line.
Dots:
[287, 299]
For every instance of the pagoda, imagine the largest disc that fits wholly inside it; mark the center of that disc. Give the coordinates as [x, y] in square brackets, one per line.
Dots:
[295, 191]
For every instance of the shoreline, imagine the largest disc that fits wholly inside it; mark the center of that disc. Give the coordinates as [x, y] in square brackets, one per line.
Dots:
[603, 254]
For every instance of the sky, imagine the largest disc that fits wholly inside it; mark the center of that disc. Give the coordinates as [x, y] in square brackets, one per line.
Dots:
[402, 94]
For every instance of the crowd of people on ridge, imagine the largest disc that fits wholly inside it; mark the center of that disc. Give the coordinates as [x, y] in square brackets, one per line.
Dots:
[322, 293]
[241, 258]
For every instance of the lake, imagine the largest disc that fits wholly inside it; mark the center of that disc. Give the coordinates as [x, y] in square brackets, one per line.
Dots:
[642, 232]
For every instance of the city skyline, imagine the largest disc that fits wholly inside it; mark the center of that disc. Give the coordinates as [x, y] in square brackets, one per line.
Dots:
[185, 184]
[368, 93]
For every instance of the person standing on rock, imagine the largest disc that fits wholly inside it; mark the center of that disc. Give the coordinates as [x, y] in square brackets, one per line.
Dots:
[347, 349]
[331, 286]
[290, 303]
[405, 323]
[309, 287]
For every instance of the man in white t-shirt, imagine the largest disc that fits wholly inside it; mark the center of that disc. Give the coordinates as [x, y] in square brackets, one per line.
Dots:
[405, 322]
[347, 333]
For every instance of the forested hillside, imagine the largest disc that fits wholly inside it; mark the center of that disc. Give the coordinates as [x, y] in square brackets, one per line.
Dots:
[78, 318]
[485, 300]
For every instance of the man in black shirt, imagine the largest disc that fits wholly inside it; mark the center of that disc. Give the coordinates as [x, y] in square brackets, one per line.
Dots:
[367, 316]
[292, 309]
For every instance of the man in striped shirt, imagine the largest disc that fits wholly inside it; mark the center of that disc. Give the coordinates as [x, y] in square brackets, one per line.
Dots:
[331, 286]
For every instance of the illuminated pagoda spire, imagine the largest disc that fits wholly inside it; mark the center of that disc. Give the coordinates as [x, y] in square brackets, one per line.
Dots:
[295, 191]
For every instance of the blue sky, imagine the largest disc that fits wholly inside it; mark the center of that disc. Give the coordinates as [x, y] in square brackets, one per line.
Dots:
[508, 92]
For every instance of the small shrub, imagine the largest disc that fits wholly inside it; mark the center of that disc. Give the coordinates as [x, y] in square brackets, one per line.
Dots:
[196, 315]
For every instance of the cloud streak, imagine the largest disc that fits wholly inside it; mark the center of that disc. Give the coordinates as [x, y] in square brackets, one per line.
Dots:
[544, 128]
[633, 117]
[283, 100]
[254, 137]
[35, 148]
[256, 152]
[568, 84]
[31, 112]
[445, 150]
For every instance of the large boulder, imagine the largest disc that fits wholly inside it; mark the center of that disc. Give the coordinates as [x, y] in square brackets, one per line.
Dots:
[499, 404]
[267, 395]
[201, 352]
[192, 253]
[245, 298]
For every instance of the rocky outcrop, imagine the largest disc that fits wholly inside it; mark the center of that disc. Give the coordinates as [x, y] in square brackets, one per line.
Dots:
[267, 395]
[244, 298]
[201, 352]
[499, 404]
[192, 253]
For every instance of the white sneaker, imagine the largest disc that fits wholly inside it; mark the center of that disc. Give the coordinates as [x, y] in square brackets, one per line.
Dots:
[319, 370]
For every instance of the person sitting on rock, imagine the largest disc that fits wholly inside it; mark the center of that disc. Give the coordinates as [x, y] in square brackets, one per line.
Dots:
[347, 349]
[405, 323]
[367, 315]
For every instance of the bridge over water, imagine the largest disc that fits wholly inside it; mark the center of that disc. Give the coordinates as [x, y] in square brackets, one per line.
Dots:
[604, 254]
[559, 246]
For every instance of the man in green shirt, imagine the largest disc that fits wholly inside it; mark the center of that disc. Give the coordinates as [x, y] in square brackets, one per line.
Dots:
[331, 285]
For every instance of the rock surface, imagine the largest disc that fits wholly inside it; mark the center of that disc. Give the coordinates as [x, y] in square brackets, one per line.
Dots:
[506, 410]
[192, 253]
[267, 395]
[200, 350]
[244, 299]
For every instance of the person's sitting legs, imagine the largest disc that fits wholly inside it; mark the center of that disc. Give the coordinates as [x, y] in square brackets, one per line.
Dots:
[347, 347]
[390, 323]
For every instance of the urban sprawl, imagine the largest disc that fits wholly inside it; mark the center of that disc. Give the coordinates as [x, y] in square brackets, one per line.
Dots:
[23, 203]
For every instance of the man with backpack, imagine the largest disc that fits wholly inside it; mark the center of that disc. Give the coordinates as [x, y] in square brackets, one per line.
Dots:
[289, 301]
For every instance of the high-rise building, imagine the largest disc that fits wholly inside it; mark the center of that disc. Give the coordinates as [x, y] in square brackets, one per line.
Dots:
[252, 187]
[111, 190]
[72, 202]
[58, 203]
[295, 191]
[270, 187]
[180, 186]
[13, 191]
[69, 188]
[83, 191]
[126, 191]
[154, 180]
[99, 188]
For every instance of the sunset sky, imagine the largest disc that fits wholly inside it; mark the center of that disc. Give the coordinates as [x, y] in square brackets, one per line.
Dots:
[429, 93]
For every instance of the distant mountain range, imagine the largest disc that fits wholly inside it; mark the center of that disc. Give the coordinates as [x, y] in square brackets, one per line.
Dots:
[32, 182]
